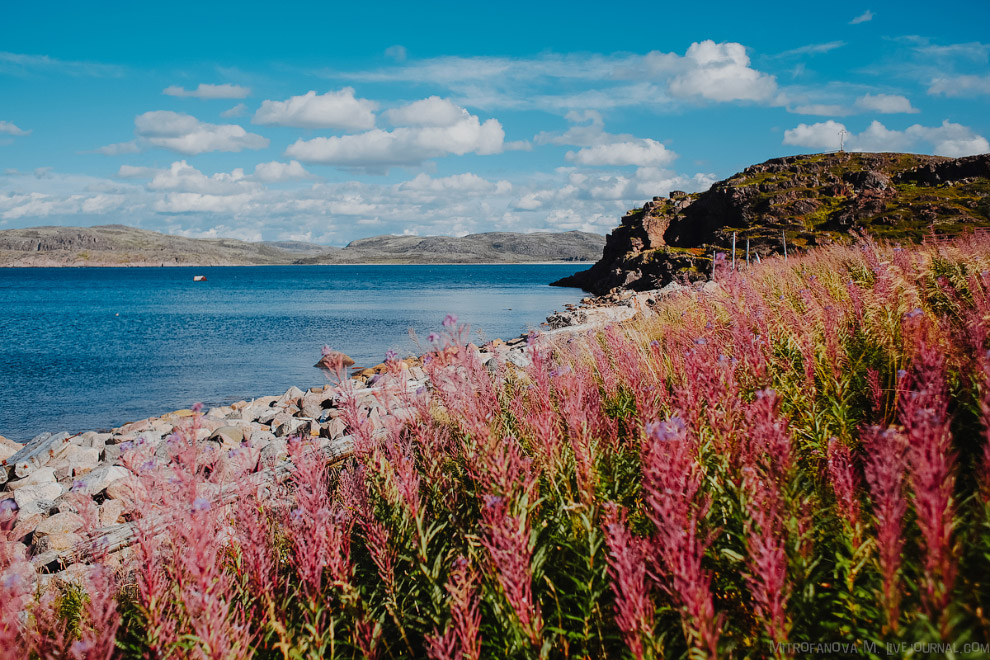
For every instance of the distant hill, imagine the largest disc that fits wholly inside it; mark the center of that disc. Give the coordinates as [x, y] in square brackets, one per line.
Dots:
[812, 200]
[119, 245]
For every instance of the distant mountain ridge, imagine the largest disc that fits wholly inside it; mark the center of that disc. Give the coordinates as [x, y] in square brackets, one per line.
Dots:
[120, 245]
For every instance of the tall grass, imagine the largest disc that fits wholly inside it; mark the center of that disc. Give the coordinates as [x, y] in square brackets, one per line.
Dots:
[799, 457]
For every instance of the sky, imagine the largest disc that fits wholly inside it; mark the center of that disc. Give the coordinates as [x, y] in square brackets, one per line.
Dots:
[326, 122]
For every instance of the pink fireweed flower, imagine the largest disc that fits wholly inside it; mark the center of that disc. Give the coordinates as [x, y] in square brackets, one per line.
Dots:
[886, 462]
[924, 414]
[461, 640]
[507, 540]
[672, 480]
[767, 556]
[627, 560]
[846, 484]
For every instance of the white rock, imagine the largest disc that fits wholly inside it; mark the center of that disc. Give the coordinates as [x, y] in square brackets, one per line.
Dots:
[101, 477]
[45, 475]
[60, 523]
[28, 494]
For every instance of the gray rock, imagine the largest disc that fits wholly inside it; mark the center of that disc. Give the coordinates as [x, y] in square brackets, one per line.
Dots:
[111, 454]
[274, 452]
[291, 394]
[39, 477]
[98, 480]
[36, 453]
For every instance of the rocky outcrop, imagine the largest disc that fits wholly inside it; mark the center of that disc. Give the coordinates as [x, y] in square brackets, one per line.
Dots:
[805, 200]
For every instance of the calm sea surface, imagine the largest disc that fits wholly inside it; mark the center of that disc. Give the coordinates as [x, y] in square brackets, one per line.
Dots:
[93, 348]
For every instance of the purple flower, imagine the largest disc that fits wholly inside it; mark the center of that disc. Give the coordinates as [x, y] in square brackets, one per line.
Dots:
[201, 504]
[197, 407]
[7, 505]
[12, 581]
[433, 338]
[700, 341]
[654, 344]
[914, 313]
[450, 321]
[671, 429]
[126, 446]
[78, 484]
[492, 500]
[326, 350]
[147, 466]
[421, 390]
[390, 355]
[901, 374]
[81, 648]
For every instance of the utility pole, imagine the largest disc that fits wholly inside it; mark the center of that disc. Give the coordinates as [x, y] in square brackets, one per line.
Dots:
[842, 138]
[747, 251]
[733, 250]
[783, 239]
[714, 259]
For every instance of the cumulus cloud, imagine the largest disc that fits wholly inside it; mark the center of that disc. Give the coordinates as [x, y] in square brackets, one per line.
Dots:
[184, 178]
[432, 111]
[340, 109]
[11, 129]
[187, 135]
[865, 17]
[467, 182]
[276, 171]
[959, 86]
[886, 104]
[377, 150]
[718, 72]
[949, 139]
[824, 109]
[642, 152]
[208, 91]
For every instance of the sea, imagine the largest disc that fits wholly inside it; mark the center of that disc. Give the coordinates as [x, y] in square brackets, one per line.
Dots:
[93, 348]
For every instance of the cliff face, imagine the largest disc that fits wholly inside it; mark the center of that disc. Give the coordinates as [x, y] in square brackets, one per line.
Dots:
[812, 200]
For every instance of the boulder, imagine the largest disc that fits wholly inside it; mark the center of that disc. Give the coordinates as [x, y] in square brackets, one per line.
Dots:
[92, 439]
[229, 437]
[56, 543]
[129, 490]
[26, 524]
[110, 512]
[333, 360]
[29, 494]
[75, 461]
[60, 523]
[275, 451]
[45, 475]
[101, 478]
[8, 448]
[37, 452]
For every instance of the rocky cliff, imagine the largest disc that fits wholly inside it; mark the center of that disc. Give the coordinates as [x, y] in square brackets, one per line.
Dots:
[806, 200]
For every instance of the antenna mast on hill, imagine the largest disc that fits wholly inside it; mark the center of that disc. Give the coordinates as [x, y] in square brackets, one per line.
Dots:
[842, 138]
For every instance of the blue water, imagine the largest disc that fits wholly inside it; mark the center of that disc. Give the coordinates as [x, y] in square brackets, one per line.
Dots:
[93, 348]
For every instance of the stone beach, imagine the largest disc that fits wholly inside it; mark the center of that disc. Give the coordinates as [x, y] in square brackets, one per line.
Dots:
[40, 480]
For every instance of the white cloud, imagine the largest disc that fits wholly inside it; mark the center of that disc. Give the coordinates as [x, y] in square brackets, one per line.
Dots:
[208, 91]
[187, 135]
[10, 129]
[886, 104]
[823, 109]
[377, 150]
[467, 182]
[184, 178]
[340, 109]
[129, 147]
[236, 111]
[23, 64]
[641, 152]
[720, 72]
[397, 53]
[432, 111]
[813, 49]
[865, 17]
[136, 172]
[958, 86]
[276, 171]
[949, 139]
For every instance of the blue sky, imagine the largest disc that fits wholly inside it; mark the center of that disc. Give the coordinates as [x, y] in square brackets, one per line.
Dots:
[328, 122]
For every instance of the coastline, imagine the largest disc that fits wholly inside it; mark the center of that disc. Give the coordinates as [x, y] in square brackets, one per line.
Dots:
[369, 263]
[44, 475]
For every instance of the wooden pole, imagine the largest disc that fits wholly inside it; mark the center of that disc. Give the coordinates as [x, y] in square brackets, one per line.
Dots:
[714, 255]
[733, 250]
[747, 250]
[783, 239]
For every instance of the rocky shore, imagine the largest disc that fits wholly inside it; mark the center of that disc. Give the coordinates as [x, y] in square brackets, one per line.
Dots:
[41, 481]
